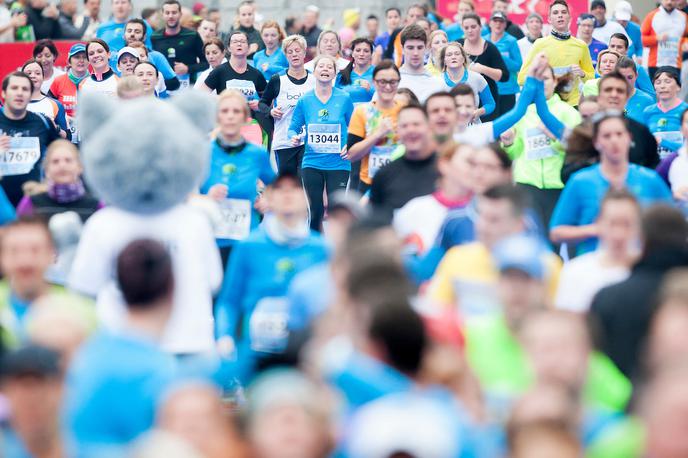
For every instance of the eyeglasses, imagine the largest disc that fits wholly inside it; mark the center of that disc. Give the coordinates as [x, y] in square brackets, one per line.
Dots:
[236, 42]
[390, 83]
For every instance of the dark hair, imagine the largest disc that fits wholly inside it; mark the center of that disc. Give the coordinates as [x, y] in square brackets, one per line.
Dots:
[97, 41]
[214, 41]
[413, 32]
[171, 2]
[620, 36]
[23, 222]
[502, 156]
[579, 145]
[401, 333]
[29, 62]
[413, 99]
[147, 62]
[516, 197]
[140, 22]
[17, 74]
[42, 44]
[148, 12]
[372, 16]
[559, 2]
[462, 89]
[438, 95]
[414, 106]
[394, 8]
[626, 62]
[345, 74]
[670, 71]
[386, 64]
[235, 32]
[144, 273]
[471, 15]
[663, 227]
[614, 75]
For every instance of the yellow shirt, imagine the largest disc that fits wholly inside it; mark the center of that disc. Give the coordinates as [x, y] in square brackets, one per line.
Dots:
[562, 54]
[467, 277]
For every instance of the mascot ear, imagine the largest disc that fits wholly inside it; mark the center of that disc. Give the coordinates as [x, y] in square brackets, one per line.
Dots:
[94, 111]
[198, 107]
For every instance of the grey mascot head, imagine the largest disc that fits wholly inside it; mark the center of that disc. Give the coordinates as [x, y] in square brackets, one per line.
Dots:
[145, 155]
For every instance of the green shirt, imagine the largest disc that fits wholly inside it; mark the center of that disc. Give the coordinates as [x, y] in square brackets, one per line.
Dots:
[537, 158]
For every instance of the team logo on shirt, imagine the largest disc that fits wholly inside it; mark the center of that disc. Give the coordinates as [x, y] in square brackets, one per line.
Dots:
[284, 265]
[323, 114]
[662, 122]
[229, 169]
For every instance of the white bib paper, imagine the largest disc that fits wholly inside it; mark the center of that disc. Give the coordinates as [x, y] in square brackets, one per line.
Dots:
[22, 155]
[236, 219]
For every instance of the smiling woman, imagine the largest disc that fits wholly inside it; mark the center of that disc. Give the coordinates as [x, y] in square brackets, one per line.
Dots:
[103, 79]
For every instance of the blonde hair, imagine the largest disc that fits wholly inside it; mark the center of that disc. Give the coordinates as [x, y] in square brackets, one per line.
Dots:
[58, 145]
[274, 25]
[604, 53]
[233, 94]
[434, 33]
[444, 52]
[291, 39]
[128, 84]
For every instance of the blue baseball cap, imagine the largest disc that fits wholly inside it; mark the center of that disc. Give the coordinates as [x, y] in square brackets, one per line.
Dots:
[522, 253]
[76, 49]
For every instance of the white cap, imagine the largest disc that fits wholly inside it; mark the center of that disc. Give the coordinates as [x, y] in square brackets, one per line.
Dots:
[128, 50]
[623, 11]
[403, 422]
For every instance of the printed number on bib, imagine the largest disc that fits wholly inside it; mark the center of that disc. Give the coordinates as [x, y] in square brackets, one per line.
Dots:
[379, 157]
[268, 326]
[667, 52]
[538, 145]
[235, 223]
[247, 88]
[674, 137]
[22, 155]
[324, 138]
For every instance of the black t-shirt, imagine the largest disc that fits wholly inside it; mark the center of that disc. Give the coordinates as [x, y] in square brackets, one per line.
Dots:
[491, 57]
[188, 49]
[400, 181]
[644, 145]
[251, 83]
[33, 125]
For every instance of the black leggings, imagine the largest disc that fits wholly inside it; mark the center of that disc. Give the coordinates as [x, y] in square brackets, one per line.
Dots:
[315, 181]
[506, 103]
[289, 160]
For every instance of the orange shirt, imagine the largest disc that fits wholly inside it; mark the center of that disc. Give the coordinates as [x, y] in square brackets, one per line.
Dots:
[64, 91]
[364, 121]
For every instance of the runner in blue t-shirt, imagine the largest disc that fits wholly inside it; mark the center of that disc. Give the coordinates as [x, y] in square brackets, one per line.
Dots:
[357, 78]
[664, 118]
[574, 216]
[639, 100]
[253, 303]
[236, 167]
[271, 60]
[323, 116]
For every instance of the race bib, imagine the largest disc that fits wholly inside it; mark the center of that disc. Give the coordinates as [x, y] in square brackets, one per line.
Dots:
[379, 157]
[324, 138]
[268, 326]
[247, 88]
[538, 145]
[71, 125]
[20, 158]
[235, 223]
[674, 137]
[184, 82]
[667, 52]
[475, 298]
